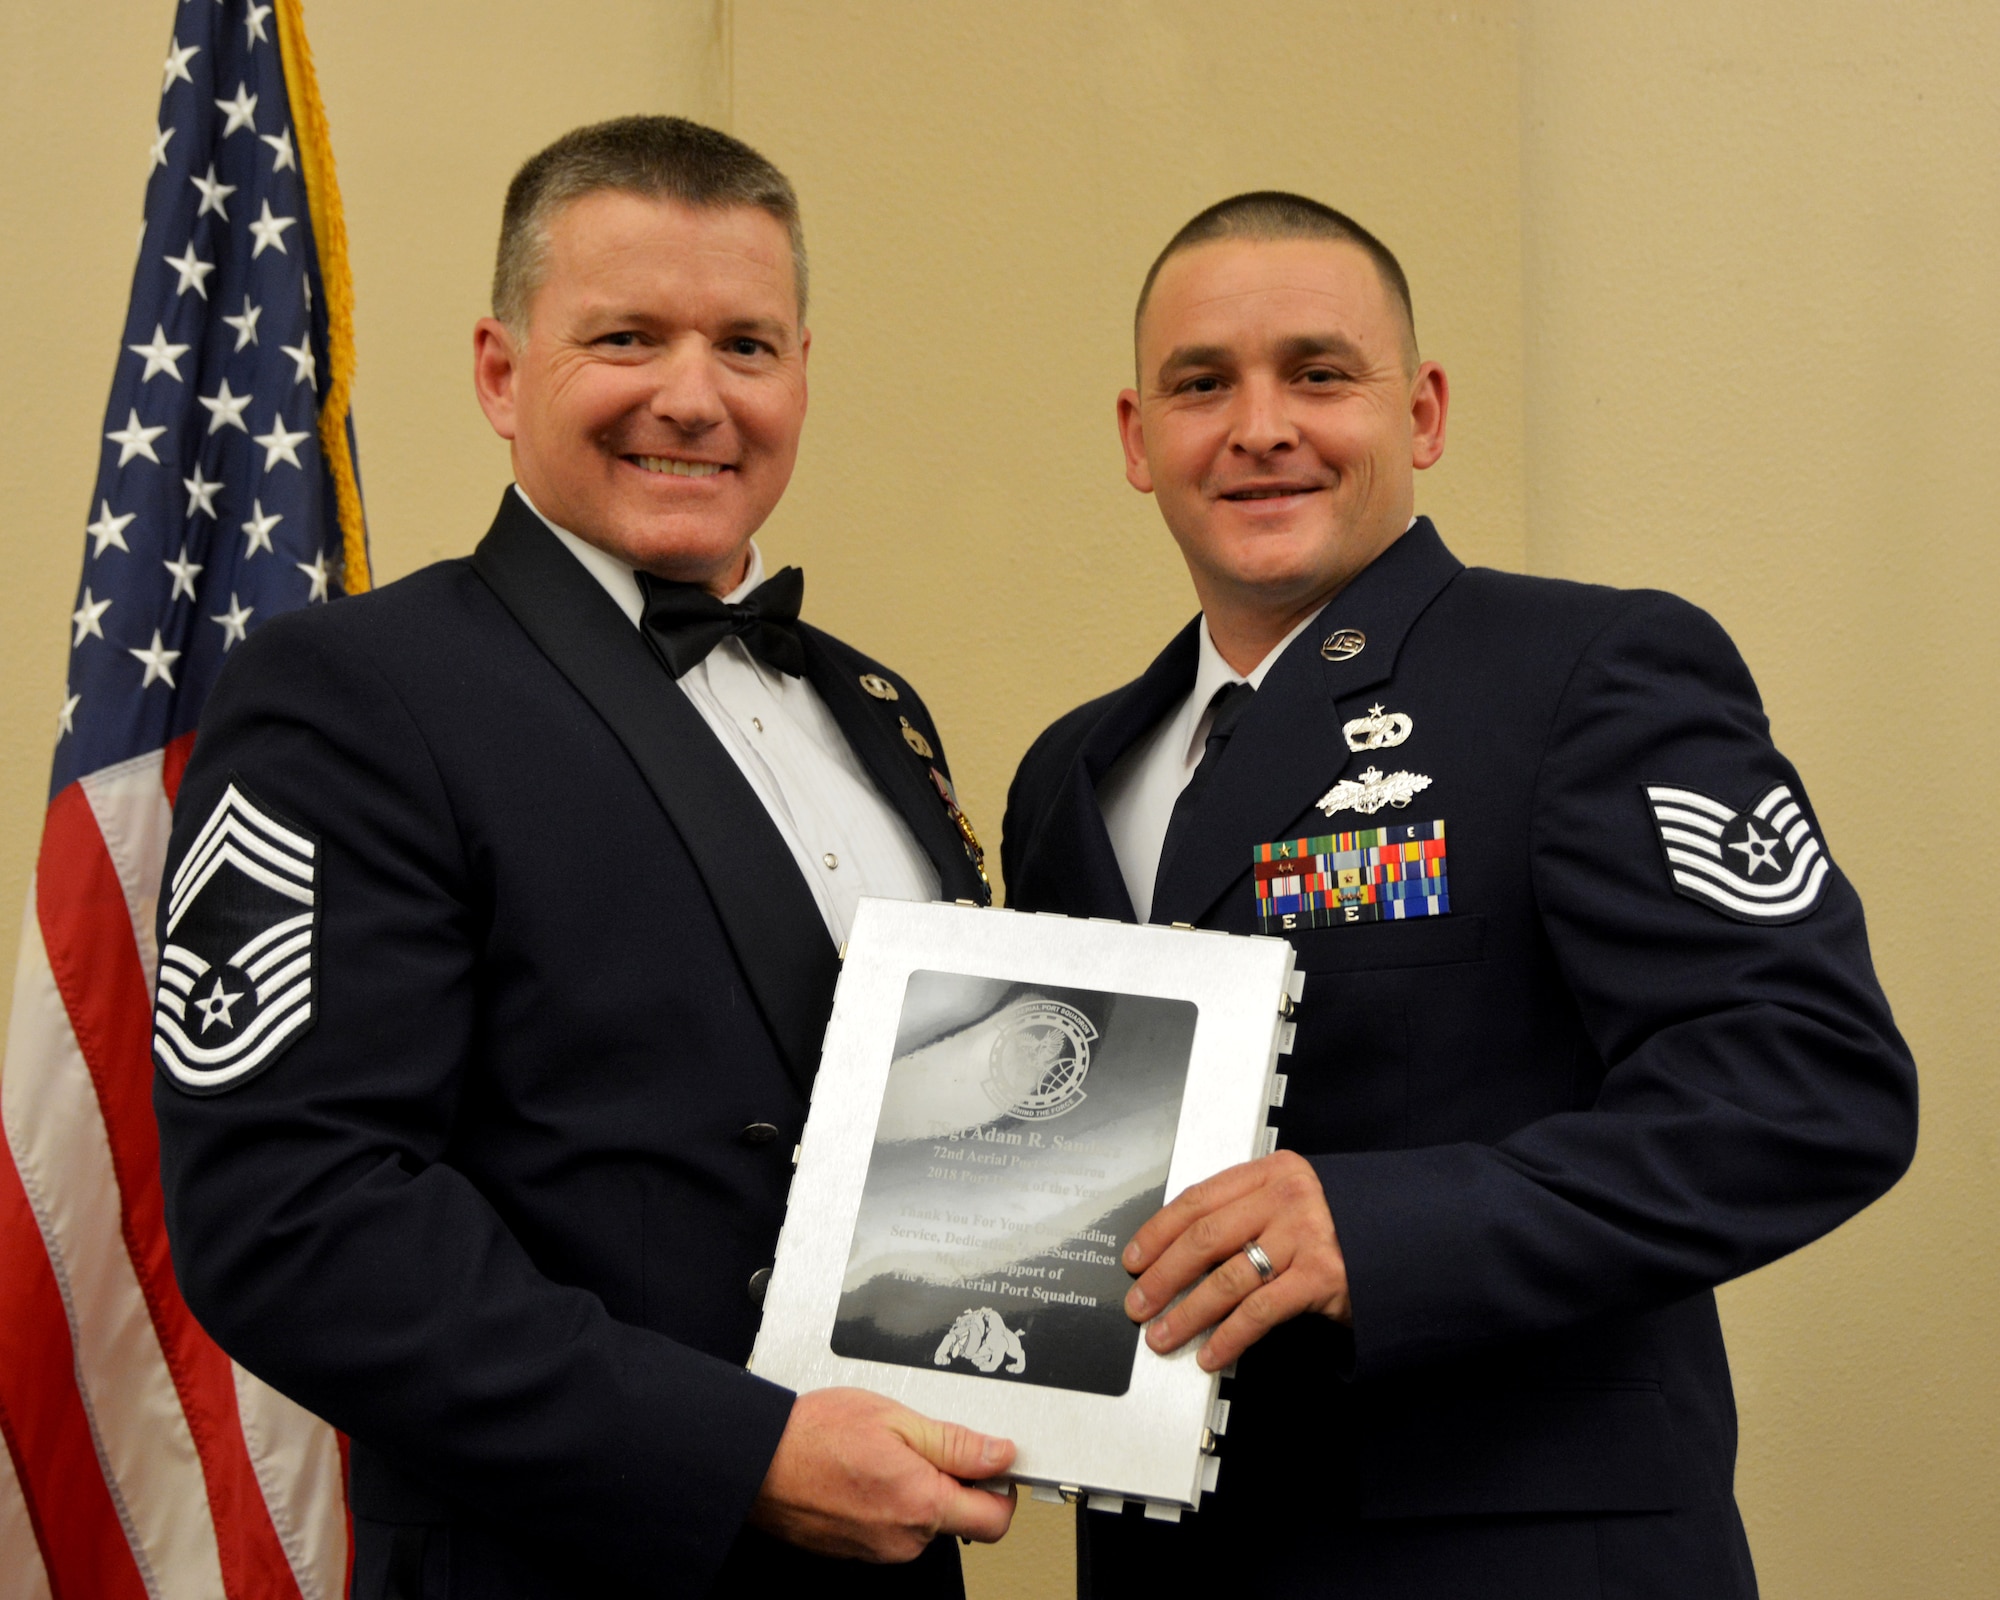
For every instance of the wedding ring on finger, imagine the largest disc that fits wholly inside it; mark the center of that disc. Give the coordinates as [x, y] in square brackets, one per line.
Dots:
[1260, 1261]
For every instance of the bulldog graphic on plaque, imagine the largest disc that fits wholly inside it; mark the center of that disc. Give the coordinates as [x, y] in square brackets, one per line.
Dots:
[1025, 1133]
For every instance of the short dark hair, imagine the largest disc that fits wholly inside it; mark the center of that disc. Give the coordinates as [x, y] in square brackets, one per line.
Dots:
[667, 158]
[1276, 214]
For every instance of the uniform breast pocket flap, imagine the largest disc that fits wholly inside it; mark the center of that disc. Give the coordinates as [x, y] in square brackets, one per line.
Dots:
[1365, 946]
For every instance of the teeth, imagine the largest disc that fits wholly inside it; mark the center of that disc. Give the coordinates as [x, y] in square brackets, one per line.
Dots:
[679, 469]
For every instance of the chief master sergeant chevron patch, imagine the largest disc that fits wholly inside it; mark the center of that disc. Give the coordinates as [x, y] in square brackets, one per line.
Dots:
[236, 970]
[1760, 865]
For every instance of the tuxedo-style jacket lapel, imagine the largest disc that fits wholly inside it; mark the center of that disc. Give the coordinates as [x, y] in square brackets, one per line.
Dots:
[902, 775]
[773, 922]
[1071, 859]
[1288, 749]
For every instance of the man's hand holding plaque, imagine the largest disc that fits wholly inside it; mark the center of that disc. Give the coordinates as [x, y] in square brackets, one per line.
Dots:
[1273, 1207]
[859, 1476]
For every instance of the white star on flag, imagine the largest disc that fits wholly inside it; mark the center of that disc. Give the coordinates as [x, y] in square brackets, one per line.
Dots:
[242, 111]
[268, 230]
[253, 25]
[308, 364]
[160, 356]
[135, 439]
[245, 325]
[225, 410]
[194, 272]
[213, 193]
[86, 619]
[235, 622]
[178, 57]
[201, 491]
[281, 143]
[278, 444]
[319, 571]
[185, 572]
[259, 529]
[65, 722]
[159, 662]
[161, 138]
[108, 530]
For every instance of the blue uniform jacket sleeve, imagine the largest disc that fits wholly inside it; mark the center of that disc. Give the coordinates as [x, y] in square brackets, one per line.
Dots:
[320, 1229]
[1754, 1093]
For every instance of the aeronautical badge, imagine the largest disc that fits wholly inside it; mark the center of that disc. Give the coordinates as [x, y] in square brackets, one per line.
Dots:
[236, 971]
[1760, 865]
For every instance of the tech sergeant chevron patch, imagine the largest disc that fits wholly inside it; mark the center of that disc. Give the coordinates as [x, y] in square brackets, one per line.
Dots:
[237, 968]
[1760, 865]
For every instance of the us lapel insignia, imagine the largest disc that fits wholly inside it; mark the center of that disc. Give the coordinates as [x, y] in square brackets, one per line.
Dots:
[974, 851]
[1372, 791]
[915, 740]
[880, 687]
[1379, 730]
[1386, 874]
[236, 971]
[1760, 865]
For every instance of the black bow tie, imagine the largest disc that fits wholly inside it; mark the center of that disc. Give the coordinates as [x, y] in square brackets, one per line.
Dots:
[683, 621]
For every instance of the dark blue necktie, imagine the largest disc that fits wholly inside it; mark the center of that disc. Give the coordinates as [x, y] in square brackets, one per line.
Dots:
[1226, 708]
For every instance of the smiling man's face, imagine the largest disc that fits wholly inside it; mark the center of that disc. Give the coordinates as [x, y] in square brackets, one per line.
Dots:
[1278, 420]
[654, 407]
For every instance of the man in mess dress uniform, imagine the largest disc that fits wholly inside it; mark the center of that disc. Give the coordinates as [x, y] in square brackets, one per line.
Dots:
[1589, 1022]
[500, 931]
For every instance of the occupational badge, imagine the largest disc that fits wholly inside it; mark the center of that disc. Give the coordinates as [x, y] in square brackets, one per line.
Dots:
[1760, 865]
[1386, 874]
[1379, 730]
[1372, 791]
[237, 967]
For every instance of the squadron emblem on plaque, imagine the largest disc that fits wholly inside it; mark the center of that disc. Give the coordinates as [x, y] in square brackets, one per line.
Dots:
[982, 1337]
[1039, 1060]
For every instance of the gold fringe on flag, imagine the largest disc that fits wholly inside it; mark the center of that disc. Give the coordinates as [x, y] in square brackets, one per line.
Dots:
[315, 152]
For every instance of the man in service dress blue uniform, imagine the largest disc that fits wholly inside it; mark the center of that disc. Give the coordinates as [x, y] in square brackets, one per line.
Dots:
[1589, 1022]
[499, 933]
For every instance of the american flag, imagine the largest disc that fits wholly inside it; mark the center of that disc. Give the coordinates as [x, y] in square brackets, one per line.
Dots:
[140, 1460]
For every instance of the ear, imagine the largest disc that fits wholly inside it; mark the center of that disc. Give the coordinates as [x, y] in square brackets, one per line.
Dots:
[1132, 435]
[495, 366]
[1430, 399]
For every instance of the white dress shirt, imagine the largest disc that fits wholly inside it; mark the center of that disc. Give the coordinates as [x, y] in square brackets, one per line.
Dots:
[1137, 795]
[847, 839]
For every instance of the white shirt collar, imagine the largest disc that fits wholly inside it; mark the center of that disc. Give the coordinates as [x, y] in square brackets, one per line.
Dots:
[1212, 672]
[619, 579]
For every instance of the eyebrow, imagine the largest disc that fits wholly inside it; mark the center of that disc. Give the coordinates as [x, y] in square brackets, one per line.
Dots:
[1301, 347]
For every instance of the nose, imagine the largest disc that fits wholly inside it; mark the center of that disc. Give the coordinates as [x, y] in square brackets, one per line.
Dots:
[687, 395]
[1263, 423]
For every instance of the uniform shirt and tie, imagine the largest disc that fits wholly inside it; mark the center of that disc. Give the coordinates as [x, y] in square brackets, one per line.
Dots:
[847, 840]
[1139, 793]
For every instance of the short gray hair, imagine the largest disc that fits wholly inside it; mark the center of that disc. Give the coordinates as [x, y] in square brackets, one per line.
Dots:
[661, 158]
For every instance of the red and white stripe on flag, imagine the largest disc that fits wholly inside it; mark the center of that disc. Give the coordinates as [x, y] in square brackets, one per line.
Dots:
[144, 1461]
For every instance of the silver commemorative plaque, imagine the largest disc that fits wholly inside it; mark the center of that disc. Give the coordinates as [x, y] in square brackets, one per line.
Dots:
[1002, 1100]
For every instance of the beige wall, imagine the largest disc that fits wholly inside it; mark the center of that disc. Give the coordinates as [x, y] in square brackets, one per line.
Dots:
[1715, 288]
[1762, 248]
